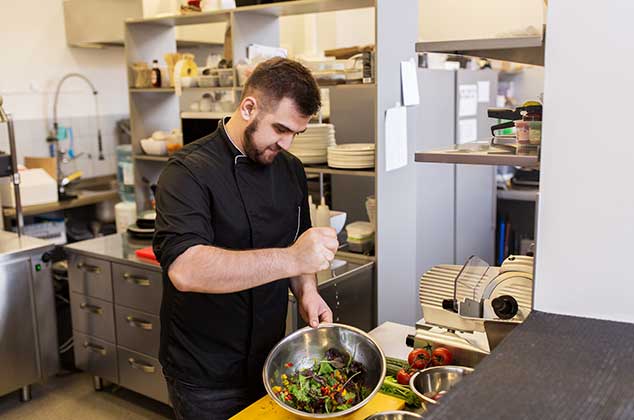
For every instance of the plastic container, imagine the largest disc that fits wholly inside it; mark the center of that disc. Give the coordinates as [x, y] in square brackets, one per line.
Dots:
[521, 132]
[209, 81]
[125, 215]
[125, 172]
[225, 77]
[535, 132]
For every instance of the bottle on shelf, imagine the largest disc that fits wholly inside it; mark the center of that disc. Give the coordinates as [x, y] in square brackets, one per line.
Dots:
[313, 211]
[323, 214]
[156, 75]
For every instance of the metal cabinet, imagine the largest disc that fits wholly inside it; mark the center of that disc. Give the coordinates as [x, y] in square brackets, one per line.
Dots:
[350, 294]
[92, 316]
[90, 276]
[142, 374]
[137, 288]
[96, 356]
[138, 331]
[115, 314]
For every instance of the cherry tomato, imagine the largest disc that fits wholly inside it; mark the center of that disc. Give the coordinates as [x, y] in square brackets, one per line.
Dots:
[403, 376]
[419, 358]
[441, 357]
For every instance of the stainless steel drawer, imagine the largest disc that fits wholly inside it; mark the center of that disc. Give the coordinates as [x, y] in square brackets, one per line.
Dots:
[96, 356]
[92, 316]
[138, 331]
[137, 288]
[90, 276]
[142, 374]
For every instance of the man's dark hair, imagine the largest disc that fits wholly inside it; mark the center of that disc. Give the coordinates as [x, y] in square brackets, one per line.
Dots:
[279, 78]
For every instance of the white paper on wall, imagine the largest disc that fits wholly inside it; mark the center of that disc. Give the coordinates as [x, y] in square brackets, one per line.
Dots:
[409, 83]
[484, 91]
[467, 100]
[395, 138]
[467, 130]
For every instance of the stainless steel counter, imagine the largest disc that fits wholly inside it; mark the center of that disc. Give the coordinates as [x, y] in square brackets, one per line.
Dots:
[115, 248]
[28, 340]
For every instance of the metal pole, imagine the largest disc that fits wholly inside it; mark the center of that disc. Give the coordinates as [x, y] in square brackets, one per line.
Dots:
[15, 178]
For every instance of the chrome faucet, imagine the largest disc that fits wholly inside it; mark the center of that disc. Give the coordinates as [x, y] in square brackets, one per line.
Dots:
[53, 139]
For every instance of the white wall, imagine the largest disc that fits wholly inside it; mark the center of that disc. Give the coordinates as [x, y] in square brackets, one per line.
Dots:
[586, 213]
[35, 56]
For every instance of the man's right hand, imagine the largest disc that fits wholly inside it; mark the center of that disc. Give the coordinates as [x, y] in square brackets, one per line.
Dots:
[314, 250]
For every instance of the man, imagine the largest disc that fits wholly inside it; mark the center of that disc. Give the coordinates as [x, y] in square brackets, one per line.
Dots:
[232, 234]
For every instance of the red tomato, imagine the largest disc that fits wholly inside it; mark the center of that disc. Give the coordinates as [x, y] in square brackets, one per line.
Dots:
[418, 358]
[403, 376]
[441, 357]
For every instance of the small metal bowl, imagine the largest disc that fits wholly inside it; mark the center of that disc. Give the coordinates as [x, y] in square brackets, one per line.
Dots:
[395, 415]
[304, 346]
[436, 379]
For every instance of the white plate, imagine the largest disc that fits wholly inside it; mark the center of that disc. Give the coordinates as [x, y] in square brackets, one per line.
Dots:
[355, 146]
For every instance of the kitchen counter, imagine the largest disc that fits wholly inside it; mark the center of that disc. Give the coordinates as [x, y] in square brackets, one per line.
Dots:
[121, 248]
[551, 366]
[88, 191]
[115, 248]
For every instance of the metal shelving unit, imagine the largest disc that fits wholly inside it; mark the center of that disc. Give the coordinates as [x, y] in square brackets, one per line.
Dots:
[147, 39]
[204, 115]
[521, 49]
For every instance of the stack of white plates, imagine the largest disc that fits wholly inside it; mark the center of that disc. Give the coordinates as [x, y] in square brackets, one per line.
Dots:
[351, 156]
[311, 146]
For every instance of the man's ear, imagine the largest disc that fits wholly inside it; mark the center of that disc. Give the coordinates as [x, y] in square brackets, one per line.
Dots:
[248, 107]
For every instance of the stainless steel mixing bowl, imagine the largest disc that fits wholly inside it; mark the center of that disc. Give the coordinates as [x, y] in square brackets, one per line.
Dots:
[436, 379]
[395, 415]
[304, 346]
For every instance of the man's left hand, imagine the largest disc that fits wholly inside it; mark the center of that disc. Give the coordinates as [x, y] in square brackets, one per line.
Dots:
[314, 309]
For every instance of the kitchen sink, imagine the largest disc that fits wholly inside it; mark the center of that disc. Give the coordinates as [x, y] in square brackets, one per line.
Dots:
[93, 185]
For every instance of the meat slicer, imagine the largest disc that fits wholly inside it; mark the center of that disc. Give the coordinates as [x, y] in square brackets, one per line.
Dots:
[470, 309]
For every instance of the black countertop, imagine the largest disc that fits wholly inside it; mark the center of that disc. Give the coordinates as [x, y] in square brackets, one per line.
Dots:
[550, 367]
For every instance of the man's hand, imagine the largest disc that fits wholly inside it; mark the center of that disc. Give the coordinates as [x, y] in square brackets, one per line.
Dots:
[314, 250]
[314, 309]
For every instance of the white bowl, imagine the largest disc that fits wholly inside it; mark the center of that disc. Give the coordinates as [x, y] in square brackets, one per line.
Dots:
[154, 147]
[337, 220]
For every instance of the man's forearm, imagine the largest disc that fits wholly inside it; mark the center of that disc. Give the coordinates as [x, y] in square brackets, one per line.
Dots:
[207, 269]
[303, 284]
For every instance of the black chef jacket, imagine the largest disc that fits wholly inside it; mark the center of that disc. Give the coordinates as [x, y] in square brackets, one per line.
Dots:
[211, 194]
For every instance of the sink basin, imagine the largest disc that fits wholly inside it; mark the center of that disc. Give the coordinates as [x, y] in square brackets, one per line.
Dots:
[91, 186]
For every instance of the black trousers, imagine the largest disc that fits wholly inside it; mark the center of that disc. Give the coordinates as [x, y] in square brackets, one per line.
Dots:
[193, 402]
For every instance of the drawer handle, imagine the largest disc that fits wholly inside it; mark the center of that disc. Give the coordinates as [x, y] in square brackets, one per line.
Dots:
[95, 348]
[98, 310]
[89, 268]
[139, 281]
[144, 367]
[139, 323]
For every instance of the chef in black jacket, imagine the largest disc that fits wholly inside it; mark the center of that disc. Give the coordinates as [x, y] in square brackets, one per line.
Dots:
[233, 233]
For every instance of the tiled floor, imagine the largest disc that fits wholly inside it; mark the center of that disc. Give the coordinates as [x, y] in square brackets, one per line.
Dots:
[72, 397]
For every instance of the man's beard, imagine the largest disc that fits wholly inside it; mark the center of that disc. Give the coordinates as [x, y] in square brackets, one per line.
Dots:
[250, 148]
